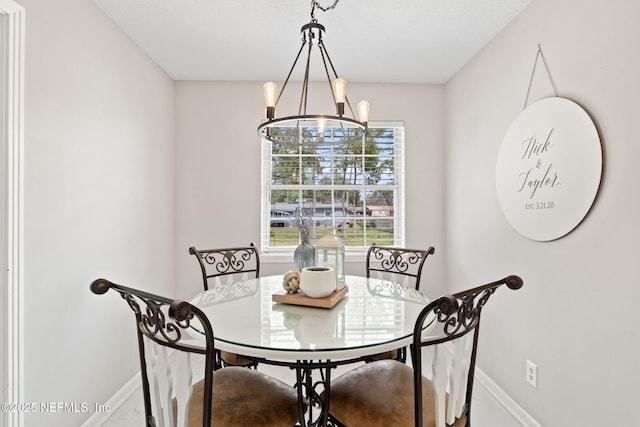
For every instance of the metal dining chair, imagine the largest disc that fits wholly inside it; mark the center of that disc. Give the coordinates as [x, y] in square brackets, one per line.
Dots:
[444, 349]
[179, 390]
[396, 267]
[222, 268]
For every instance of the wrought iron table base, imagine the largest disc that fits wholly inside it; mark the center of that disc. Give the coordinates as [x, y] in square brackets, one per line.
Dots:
[314, 410]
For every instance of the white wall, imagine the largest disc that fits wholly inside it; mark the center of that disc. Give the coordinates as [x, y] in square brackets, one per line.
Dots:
[99, 173]
[218, 167]
[576, 316]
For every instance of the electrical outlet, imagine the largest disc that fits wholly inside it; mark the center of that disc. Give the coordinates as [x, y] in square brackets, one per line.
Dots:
[532, 374]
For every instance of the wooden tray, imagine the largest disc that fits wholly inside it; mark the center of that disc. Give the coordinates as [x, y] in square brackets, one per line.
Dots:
[299, 298]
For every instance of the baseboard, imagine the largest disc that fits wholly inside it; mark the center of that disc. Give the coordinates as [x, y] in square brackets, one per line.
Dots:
[115, 402]
[504, 400]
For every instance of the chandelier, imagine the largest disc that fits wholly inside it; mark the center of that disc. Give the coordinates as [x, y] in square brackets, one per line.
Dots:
[314, 128]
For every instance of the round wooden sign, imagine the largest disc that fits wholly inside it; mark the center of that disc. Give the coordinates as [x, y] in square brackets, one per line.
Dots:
[549, 169]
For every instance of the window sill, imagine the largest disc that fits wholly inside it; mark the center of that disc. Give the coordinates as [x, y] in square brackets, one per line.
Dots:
[287, 257]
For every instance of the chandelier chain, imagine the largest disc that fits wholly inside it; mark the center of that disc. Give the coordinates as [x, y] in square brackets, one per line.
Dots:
[314, 4]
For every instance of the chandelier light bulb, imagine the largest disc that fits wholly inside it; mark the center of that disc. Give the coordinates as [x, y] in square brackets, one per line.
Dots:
[340, 90]
[270, 92]
[340, 93]
[321, 124]
[363, 111]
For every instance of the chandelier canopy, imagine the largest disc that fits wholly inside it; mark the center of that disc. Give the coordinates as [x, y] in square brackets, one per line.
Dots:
[309, 128]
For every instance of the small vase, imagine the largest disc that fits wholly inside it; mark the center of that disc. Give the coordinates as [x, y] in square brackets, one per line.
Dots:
[304, 255]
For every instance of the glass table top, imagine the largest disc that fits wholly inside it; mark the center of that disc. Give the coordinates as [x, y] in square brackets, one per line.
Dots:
[374, 316]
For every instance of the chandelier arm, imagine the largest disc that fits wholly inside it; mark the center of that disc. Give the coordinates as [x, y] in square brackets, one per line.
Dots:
[284, 85]
[346, 99]
[305, 82]
[323, 52]
[325, 55]
[335, 73]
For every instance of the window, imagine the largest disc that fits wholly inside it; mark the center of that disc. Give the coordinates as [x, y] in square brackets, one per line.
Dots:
[356, 188]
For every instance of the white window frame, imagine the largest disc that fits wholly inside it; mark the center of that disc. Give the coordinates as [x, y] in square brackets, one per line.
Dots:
[398, 187]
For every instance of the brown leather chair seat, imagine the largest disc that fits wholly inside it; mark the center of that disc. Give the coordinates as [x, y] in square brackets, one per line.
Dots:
[381, 394]
[233, 359]
[391, 354]
[243, 397]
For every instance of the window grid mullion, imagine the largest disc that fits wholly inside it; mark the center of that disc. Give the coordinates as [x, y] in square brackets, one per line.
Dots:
[333, 182]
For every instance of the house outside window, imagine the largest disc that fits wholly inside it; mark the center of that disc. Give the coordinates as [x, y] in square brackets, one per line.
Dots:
[357, 188]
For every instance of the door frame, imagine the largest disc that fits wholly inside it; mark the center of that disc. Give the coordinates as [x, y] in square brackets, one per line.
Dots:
[13, 194]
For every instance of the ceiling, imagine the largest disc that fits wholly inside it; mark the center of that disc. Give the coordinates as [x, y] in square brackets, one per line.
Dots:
[399, 41]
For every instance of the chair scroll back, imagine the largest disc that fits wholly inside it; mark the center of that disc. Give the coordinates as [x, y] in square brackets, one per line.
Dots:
[167, 377]
[444, 350]
[387, 262]
[229, 263]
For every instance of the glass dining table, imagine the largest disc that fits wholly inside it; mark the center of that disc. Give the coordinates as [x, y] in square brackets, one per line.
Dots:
[374, 316]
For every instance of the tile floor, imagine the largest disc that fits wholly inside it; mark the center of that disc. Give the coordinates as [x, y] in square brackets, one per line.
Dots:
[486, 411]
